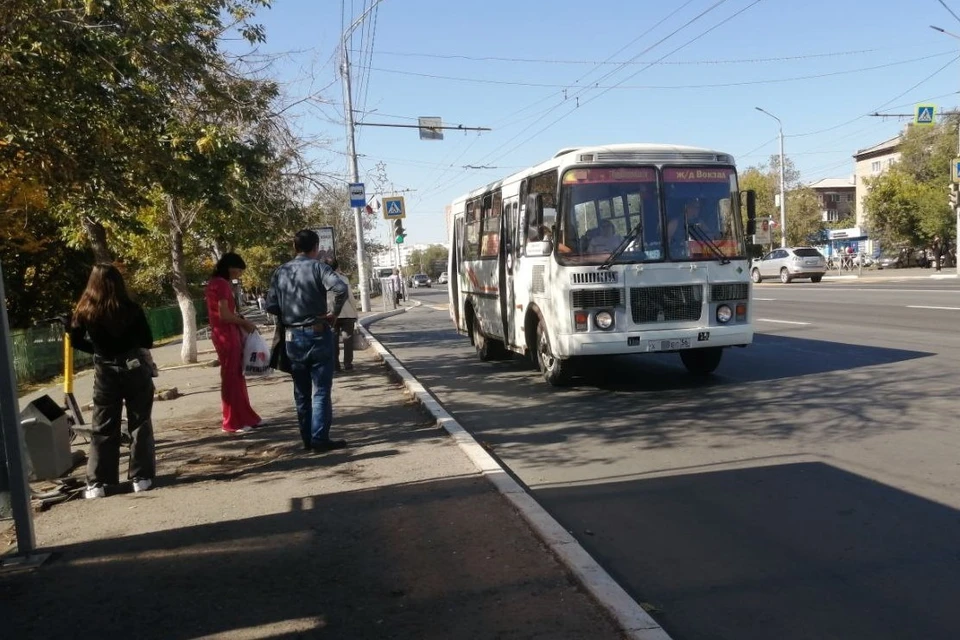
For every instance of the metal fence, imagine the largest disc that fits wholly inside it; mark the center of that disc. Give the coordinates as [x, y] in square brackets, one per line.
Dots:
[38, 352]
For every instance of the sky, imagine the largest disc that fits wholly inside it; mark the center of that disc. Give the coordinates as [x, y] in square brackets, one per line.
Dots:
[545, 75]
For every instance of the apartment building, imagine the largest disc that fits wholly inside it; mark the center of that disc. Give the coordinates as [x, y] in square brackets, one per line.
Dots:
[837, 197]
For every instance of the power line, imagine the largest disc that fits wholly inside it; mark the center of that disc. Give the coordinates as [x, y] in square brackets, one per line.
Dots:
[680, 86]
[809, 56]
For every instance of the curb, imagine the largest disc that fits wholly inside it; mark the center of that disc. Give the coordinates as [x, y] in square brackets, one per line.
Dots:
[630, 616]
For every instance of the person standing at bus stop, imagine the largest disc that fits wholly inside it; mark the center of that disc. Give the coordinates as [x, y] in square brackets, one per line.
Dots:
[111, 326]
[298, 296]
[345, 325]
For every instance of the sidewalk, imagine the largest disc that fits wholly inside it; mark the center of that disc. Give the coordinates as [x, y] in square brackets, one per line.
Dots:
[248, 537]
[877, 275]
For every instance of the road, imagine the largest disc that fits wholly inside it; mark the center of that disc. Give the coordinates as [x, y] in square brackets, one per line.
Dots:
[808, 490]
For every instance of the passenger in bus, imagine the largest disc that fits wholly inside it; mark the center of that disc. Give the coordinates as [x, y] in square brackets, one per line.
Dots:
[604, 238]
[678, 228]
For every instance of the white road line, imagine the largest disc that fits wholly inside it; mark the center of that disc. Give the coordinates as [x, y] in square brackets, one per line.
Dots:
[766, 299]
[918, 306]
[781, 321]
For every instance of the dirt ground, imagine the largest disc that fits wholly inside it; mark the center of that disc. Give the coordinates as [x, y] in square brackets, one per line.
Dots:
[249, 537]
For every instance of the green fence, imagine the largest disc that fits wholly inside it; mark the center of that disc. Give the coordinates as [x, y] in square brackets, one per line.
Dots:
[38, 352]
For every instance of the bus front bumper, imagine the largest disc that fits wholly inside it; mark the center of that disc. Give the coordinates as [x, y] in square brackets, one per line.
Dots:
[596, 343]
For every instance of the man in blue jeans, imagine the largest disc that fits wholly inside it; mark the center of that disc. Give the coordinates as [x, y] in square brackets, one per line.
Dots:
[298, 296]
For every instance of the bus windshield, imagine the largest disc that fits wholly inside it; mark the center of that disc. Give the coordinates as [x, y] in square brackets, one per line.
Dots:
[600, 207]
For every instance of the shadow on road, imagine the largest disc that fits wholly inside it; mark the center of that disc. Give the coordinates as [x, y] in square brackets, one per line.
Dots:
[792, 551]
[405, 561]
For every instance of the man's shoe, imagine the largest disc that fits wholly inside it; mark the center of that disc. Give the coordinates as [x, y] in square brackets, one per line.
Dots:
[329, 445]
[142, 484]
[348, 367]
[94, 491]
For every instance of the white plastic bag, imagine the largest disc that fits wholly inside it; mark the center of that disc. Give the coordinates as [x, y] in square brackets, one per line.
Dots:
[256, 356]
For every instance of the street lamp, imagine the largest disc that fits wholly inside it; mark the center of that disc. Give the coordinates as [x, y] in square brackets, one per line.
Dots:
[956, 211]
[352, 152]
[783, 193]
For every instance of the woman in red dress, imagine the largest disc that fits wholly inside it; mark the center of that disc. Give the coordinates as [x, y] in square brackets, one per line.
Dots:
[228, 332]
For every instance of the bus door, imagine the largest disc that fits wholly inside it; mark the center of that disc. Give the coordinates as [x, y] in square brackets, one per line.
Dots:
[487, 272]
[508, 260]
[455, 269]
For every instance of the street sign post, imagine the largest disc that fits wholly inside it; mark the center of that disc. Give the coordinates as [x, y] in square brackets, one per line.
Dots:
[430, 128]
[358, 195]
[328, 247]
[393, 208]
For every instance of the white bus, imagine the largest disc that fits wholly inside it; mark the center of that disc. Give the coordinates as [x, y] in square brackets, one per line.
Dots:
[607, 250]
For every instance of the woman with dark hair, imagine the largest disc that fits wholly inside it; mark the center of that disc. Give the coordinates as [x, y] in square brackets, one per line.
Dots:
[228, 332]
[111, 326]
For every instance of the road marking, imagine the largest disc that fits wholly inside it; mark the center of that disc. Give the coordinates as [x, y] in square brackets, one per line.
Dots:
[766, 299]
[918, 306]
[781, 321]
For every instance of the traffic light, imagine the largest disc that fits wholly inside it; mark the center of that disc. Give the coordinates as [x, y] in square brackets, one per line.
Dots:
[954, 195]
[399, 233]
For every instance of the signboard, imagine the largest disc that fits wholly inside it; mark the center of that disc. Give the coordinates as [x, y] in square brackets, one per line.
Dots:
[393, 208]
[358, 195]
[925, 115]
[328, 247]
[430, 128]
[763, 232]
[955, 170]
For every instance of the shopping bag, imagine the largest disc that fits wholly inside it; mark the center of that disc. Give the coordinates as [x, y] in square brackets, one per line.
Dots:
[359, 342]
[279, 359]
[256, 356]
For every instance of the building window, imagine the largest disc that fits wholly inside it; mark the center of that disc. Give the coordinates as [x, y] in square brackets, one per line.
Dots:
[875, 166]
[849, 197]
[834, 197]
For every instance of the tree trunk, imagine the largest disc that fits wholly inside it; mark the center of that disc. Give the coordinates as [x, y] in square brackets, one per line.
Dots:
[188, 349]
[97, 235]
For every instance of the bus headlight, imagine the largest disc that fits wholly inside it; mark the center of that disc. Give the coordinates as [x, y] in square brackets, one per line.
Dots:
[603, 320]
[724, 314]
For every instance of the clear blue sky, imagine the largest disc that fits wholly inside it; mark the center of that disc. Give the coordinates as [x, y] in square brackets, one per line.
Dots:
[520, 68]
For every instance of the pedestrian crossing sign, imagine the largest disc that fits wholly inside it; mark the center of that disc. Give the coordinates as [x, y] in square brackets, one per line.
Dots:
[393, 208]
[925, 115]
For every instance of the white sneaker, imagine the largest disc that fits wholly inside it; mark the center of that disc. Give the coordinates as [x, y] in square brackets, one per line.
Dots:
[94, 491]
[142, 484]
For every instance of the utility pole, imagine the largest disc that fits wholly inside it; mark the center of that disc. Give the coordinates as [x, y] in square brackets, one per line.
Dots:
[352, 152]
[956, 209]
[783, 193]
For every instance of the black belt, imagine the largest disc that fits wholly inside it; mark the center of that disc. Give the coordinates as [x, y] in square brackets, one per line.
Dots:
[316, 326]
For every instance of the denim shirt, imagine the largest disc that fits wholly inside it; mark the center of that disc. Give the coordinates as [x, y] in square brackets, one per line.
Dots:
[298, 291]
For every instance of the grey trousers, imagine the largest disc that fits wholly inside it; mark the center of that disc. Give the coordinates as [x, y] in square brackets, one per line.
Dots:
[346, 327]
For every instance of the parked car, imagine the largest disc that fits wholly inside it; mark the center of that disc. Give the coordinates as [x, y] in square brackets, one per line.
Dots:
[443, 278]
[421, 280]
[903, 259]
[788, 264]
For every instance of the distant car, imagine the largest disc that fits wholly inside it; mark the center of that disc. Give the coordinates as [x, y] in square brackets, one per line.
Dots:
[421, 280]
[788, 264]
[443, 278]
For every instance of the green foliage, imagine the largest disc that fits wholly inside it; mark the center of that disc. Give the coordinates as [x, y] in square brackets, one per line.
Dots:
[803, 210]
[908, 204]
[431, 261]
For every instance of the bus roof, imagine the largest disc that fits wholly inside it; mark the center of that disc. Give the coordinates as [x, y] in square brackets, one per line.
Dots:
[614, 154]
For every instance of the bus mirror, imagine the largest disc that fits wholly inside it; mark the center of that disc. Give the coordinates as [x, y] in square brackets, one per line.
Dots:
[750, 201]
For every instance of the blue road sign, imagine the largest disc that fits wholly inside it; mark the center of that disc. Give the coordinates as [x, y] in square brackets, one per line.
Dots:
[393, 208]
[358, 195]
[925, 115]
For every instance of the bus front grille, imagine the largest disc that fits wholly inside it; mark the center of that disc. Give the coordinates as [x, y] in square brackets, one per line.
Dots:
[666, 304]
[593, 298]
[730, 291]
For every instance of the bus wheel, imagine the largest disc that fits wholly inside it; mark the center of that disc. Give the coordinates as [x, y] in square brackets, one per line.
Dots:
[480, 342]
[554, 370]
[701, 362]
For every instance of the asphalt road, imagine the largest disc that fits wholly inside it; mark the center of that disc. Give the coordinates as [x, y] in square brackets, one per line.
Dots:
[808, 490]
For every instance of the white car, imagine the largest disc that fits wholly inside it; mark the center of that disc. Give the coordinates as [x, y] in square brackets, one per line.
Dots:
[788, 264]
[443, 278]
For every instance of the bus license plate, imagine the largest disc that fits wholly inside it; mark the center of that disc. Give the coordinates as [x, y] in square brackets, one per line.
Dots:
[668, 345]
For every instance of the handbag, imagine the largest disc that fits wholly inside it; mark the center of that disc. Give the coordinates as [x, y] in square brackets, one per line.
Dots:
[256, 356]
[279, 359]
[359, 342]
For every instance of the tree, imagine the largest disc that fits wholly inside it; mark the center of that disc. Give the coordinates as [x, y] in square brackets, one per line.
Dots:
[802, 207]
[431, 261]
[907, 205]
